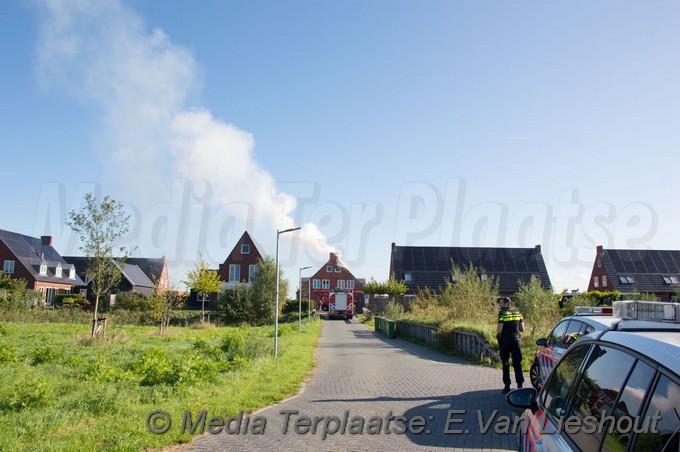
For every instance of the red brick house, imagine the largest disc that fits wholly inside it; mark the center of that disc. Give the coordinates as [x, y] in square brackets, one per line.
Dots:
[37, 262]
[240, 266]
[332, 276]
[637, 271]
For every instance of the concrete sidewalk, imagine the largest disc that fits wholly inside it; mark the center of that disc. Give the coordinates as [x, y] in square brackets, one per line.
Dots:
[371, 393]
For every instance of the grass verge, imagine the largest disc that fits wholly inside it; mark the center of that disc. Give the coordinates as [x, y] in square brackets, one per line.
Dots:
[59, 390]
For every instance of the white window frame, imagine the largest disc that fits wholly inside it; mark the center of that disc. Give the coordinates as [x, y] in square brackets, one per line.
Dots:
[325, 283]
[341, 283]
[329, 269]
[337, 269]
[599, 263]
[58, 271]
[604, 281]
[43, 268]
[8, 266]
[596, 282]
[72, 273]
[234, 272]
[252, 271]
[316, 284]
[350, 284]
[245, 248]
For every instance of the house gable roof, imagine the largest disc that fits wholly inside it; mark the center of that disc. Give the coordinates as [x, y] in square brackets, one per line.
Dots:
[151, 267]
[255, 250]
[32, 252]
[133, 273]
[646, 267]
[430, 266]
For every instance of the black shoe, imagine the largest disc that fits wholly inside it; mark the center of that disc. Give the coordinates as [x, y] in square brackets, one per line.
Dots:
[506, 389]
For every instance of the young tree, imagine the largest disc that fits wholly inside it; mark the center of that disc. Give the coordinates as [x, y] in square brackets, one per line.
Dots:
[100, 226]
[203, 281]
[263, 291]
[162, 306]
[539, 307]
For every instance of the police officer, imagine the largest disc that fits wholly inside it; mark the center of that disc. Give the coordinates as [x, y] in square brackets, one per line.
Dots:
[510, 324]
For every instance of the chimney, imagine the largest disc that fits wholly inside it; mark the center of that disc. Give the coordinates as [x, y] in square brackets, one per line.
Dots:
[46, 240]
[538, 249]
[600, 251]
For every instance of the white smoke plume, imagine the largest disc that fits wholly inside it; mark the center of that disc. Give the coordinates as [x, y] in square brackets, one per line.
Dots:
[102, 53]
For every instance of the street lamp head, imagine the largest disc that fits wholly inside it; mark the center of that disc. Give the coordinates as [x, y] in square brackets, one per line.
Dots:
[288, 230]
[305, 268]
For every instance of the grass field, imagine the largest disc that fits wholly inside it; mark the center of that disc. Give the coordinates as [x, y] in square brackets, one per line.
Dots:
[59, 390]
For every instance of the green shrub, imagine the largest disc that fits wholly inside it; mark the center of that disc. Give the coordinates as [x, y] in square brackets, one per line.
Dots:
[45, 353]
[8, 354]
[3, 330]
[394, 310]
[233, 343]
[27, 392]
[155, 368]
[99, 369]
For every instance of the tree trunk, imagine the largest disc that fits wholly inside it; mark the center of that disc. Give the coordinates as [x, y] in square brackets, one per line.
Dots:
[94, 316]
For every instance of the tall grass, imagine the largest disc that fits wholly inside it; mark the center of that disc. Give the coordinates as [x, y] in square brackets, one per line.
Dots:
[61, 390]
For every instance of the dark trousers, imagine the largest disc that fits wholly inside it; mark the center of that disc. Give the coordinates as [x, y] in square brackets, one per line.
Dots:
[511, 346]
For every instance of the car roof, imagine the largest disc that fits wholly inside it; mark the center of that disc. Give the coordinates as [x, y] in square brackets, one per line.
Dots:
[603, 320]
[661, 346]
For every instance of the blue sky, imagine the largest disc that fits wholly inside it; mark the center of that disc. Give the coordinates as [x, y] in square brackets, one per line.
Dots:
[443, 123]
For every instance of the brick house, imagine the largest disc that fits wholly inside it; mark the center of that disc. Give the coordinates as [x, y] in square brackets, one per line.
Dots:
[37, 262]
[332, 276]
[429, 267]
[637, 271]
[238, 268]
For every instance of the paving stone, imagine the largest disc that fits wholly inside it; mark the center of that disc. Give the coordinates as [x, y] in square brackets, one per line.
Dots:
[363, 376]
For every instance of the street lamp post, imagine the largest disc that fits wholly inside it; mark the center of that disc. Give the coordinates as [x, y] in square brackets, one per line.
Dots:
[276, 313]
[300, 299]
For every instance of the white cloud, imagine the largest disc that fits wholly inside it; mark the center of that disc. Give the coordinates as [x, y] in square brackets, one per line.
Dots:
[102, 53]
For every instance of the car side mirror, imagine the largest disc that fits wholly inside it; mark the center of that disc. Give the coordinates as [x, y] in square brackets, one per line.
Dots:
[542, 342]
[522, 398]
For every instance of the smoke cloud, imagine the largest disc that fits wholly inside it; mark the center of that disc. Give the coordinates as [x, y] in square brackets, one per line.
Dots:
[102, 53]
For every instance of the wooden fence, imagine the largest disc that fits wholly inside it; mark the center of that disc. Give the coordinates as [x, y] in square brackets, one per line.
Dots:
[465, 342]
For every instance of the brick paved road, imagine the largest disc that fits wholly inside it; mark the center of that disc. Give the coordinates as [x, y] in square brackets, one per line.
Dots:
[364, 375]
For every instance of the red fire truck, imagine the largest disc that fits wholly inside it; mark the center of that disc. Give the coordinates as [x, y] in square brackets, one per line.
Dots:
[337, 304]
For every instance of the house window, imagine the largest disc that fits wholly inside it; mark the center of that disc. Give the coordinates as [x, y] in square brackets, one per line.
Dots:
[604, 281]
[316, 284]
[72, 273]
[43, 268]
[483, 277]
[596, 282]
[337, 269]
[57, 271]
[8, 267]
[234, 272]
[341, 283]
[627, 280]
[599, 263]
[350, 284]
[326, 284]
[408, 277]
[329, 269]
[245, 249]
[252, 271]
[670, 279]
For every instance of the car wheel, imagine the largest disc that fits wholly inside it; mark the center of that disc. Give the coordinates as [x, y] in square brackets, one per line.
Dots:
[535, 375]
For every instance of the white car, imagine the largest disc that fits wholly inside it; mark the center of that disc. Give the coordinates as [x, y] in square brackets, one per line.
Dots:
[550, 349]
[614, 390]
